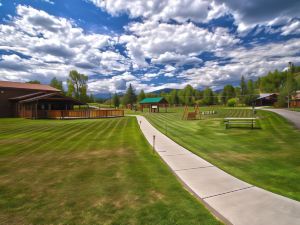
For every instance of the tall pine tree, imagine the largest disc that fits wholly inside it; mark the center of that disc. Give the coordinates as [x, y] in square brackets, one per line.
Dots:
[130, 96]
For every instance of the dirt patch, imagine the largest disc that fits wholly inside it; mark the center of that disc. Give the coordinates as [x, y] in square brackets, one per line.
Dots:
[157, 195]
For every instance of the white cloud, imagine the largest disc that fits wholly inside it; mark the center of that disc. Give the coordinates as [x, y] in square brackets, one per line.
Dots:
[169, 68]
[181, 11]
[40, 46]
[291, 28]
[246, 14]
[49, 1]
[172, 43]
[250, 62]
[53, 46]
[117, 84]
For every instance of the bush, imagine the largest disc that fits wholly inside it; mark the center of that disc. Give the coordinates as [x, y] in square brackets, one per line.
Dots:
[232, 102]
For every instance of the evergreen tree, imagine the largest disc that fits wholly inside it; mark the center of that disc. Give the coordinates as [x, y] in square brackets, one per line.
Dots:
[174, 99]
[116, 100]
[251, 95]
[188, 92]
[129, 97]
[208, 97]
[243, 87]
[141, 96]
[228, 93]
[198, 95]
[237, 91]
[91, 98]
[181, 97]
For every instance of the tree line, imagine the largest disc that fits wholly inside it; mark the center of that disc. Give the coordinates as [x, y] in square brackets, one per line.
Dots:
[285, 83]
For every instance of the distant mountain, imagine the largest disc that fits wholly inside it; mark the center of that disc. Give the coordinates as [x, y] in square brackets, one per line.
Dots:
[218, 91]
[103, 95]
[165, 90]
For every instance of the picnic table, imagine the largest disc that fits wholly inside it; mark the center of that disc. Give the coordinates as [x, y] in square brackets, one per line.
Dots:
[240, 121]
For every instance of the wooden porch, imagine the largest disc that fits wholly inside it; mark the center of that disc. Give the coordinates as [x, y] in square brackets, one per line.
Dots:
[71, 114]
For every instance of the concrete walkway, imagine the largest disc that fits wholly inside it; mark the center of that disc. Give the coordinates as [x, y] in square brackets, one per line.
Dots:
[230, 199]
[292, 116]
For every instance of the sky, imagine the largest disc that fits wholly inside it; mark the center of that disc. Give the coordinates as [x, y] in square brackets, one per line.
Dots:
[151, 44]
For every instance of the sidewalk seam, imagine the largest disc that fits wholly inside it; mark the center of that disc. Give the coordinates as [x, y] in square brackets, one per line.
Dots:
[224, 193]
[194, 168]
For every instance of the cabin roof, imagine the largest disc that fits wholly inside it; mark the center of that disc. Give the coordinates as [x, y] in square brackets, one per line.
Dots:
[19, 85]
[152, 100]
[264, 95]
[57, 96]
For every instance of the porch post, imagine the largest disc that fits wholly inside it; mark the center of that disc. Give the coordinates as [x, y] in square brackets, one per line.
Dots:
[36, 115]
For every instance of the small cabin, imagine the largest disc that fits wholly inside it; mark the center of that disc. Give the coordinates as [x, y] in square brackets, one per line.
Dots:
[266, 99]
[154, 104]
[295, 101]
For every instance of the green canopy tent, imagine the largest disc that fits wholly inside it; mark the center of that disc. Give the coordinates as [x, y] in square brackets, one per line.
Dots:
[154, 104]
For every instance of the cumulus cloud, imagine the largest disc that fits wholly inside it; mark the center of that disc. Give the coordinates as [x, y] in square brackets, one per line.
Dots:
[247, 14]
[174, 43]
[54, 46]
[117, 83]
[180, 11]
[163, 44]
[250, 62]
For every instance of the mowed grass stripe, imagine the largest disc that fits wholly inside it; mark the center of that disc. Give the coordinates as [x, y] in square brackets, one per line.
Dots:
[38, 144]
[96, 134]
[103, 173]
[267, 157]
[73, 140]
[37, 133]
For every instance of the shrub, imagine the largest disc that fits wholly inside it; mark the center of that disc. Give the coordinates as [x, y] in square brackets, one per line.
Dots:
[232, 102]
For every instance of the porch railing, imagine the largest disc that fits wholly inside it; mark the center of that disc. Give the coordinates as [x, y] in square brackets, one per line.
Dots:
[72, 114]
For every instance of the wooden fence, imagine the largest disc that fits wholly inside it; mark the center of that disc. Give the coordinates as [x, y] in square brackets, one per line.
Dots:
[72, 114]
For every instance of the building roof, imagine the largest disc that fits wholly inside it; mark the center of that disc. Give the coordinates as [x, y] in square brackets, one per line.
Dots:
[51, 96]
[152, 100]
[264, 95]
[18, 85]
[296, 96]
[23, 97]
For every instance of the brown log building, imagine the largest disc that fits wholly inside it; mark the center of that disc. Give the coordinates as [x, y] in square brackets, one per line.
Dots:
[29, 100]
[295, 101]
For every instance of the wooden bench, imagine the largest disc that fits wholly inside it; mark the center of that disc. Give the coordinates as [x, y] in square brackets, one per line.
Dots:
[239, 121]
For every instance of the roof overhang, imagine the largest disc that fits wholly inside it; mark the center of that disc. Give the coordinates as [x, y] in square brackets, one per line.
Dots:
[52, 97]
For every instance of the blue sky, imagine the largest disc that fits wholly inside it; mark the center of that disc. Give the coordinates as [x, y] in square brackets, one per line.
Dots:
[151, 44]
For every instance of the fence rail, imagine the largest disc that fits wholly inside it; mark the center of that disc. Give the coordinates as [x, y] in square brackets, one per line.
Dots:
[72, 114]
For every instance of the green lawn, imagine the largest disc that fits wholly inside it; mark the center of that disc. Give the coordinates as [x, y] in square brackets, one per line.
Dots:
[268, 157]
[295, 109]
[88, 172]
